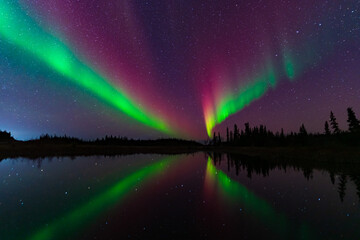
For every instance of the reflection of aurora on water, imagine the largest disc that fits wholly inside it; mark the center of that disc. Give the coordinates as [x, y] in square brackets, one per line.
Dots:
[233, 192]
[84, 214]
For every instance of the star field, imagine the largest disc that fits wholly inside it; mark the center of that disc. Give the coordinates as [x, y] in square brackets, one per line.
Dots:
[147, 69]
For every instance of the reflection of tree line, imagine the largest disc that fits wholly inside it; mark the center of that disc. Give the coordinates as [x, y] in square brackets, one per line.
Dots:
[262, 167]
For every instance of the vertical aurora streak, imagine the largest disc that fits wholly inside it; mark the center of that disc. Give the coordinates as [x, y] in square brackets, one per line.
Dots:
[290, 68]
[232, 103]
[298, 50]
[20, 30]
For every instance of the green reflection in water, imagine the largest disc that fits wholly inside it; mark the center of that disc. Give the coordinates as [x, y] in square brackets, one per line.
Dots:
[72, 221]
[258, 207]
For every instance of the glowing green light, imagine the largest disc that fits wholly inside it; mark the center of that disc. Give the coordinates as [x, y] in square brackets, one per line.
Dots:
[20, 30]
[236, 192]
[289, 66]
[256, 87]
[71, 222]
[233, 103]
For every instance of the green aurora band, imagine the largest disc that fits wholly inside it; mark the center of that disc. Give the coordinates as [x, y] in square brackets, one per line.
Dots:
[256, 88]
[258, 207]
[19, 29]
[66, 225]
[296, 59]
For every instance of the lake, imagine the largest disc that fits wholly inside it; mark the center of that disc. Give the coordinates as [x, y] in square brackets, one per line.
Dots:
[207, 196]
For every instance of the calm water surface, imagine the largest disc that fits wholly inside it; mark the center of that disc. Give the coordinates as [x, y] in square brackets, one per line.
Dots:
[175, 197]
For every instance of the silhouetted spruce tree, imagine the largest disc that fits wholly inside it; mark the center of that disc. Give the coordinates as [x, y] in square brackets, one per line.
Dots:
[231, 136]
[354, 124]
[214, 139]
[261, 130]
[334, 124]
[219, 137]
[255, 131]
[303, 131]
[227, 135]
[282, 135]
[327, 129]
[236, 132]
[247, 129]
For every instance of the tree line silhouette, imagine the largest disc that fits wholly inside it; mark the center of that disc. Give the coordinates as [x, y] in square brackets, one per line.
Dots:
[113, 140]
[5, 136]
[249, 136]
[261, 136]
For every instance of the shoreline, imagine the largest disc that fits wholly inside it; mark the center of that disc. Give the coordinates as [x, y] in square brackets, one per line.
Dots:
[323, 154]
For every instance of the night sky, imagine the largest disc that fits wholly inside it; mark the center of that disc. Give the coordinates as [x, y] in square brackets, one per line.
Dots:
[149, 69]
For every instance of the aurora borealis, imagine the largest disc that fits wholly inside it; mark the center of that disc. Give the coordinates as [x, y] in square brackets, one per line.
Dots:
[175, 68]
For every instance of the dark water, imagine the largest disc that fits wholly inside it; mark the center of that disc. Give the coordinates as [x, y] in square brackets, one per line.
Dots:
[176, 197]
